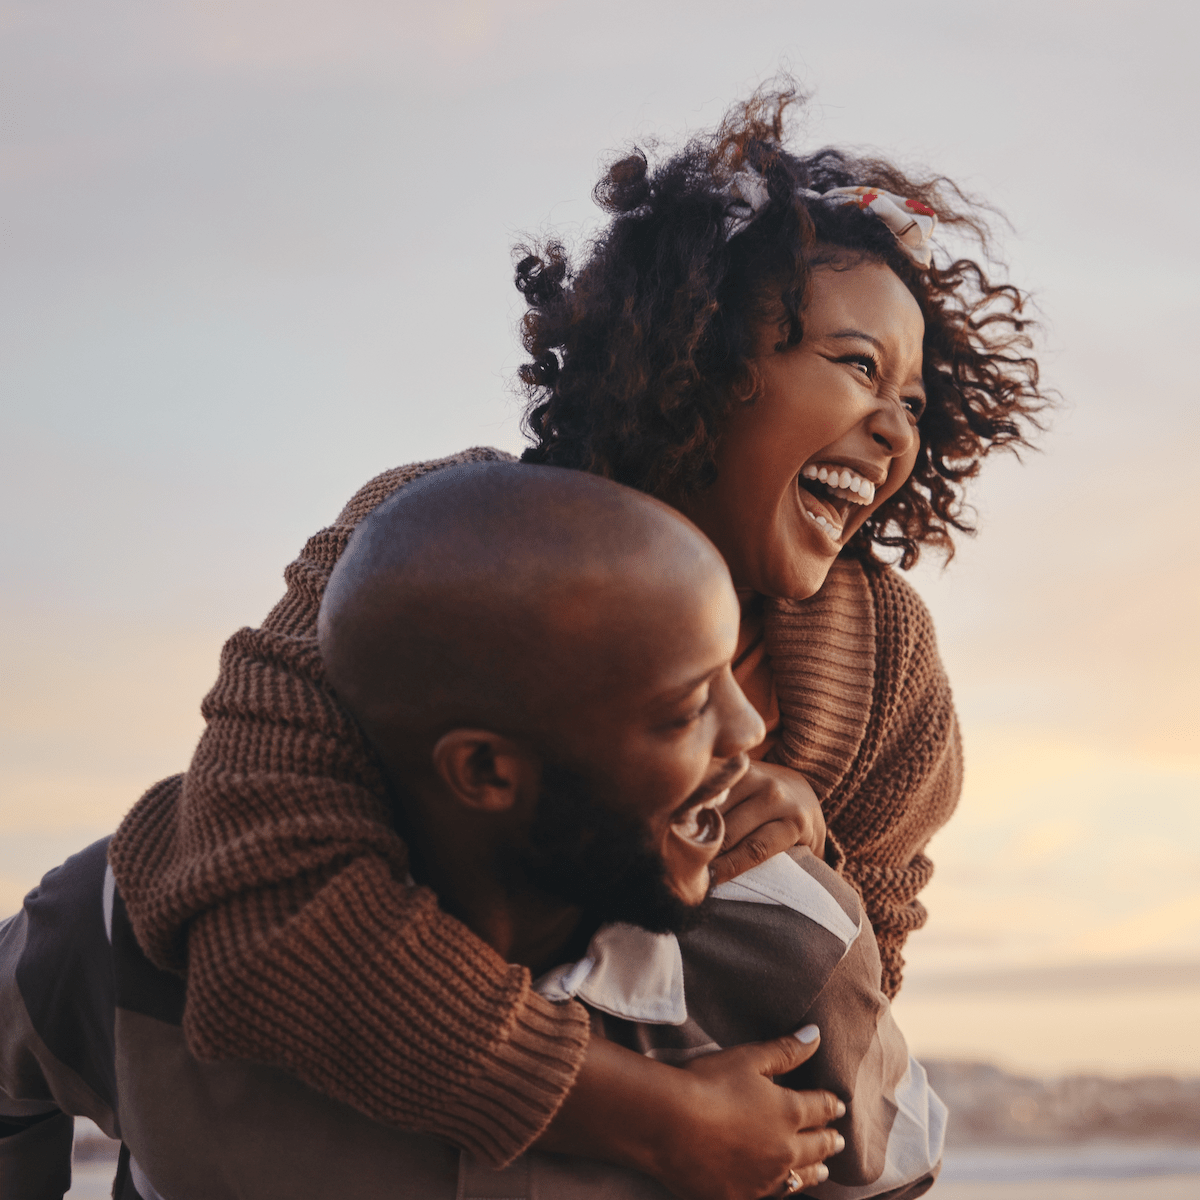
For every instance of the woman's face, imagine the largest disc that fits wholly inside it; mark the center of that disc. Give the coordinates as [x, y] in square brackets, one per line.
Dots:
[829, 435]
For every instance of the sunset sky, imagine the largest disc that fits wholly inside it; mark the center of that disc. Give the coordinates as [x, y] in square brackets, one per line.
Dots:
[254, 253]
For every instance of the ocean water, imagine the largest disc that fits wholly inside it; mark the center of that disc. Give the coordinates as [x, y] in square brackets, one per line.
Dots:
[1093, 1160]
[1098, 1171]
[1155, 1187]
[92, 1180]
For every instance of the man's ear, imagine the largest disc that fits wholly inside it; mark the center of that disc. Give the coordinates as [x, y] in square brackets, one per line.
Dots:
[486, 771]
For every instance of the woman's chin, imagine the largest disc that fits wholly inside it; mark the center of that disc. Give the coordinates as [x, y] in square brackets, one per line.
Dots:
[801, 575]
[787, 557]
[810, 582]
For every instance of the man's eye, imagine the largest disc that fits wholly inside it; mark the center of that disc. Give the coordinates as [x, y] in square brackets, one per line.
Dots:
[696, 713]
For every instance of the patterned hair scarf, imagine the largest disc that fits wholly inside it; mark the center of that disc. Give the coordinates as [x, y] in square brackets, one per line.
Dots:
[910, 221]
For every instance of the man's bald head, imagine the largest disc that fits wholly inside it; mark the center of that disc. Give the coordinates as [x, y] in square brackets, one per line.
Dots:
[492, 594]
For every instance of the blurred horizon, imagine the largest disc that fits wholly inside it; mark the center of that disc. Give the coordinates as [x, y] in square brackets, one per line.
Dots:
[255, 254]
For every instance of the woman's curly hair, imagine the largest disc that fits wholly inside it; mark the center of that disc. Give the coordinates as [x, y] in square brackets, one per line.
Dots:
[638, 356]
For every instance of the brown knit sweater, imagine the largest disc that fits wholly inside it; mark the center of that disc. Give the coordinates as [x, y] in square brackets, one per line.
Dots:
[272, 871]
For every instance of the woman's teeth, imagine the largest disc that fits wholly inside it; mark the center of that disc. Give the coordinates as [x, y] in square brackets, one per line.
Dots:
[842, 482]
[834, 531]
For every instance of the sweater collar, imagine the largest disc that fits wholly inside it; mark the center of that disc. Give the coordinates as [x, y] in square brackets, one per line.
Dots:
[823, 654]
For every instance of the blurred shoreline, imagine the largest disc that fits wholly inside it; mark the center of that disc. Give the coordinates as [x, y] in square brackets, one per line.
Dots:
[992, 1109]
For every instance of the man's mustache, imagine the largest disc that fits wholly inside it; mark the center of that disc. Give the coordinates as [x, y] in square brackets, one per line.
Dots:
[726, 775]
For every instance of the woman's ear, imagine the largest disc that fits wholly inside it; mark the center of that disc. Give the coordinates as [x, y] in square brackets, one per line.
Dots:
[746, 384]
[486, 771]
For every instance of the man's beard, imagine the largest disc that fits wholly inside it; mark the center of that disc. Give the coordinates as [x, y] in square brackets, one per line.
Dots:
[599, 860]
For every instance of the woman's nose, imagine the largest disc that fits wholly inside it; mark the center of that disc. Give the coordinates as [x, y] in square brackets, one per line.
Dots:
[891, 427]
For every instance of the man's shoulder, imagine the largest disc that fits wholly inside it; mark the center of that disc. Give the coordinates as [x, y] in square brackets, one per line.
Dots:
[64, 917]
[772, 941]
[802, 883]
[57, 993]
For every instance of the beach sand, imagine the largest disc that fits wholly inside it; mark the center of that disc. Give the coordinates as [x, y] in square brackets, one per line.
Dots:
[93, 1181]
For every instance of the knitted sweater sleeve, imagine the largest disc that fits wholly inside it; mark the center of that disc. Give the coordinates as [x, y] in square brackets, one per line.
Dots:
[907, 779]
[273, 872]
[868, 717]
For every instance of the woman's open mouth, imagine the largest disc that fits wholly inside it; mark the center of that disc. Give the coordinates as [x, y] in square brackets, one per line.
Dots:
[829, 492]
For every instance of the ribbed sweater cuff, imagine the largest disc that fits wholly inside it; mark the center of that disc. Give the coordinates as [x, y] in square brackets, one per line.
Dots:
[373, 995]
[529, 1077]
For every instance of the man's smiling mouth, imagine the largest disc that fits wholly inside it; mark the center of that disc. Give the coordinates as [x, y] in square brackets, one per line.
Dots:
[829, 492]
[703, 824]
[699, 820]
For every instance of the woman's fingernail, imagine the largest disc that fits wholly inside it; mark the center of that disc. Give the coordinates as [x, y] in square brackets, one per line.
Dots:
[807, 1035]
[822, 1172]
[839, 1109]
[839, 1144]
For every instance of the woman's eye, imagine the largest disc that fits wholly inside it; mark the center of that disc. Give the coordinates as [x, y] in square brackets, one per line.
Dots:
[864, 363]
[915, 405]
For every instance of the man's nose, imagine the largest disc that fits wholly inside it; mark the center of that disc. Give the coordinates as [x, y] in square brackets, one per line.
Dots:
[741, 727]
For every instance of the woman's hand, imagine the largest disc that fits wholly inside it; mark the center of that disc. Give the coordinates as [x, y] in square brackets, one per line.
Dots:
[771, 809]
[718, 1129]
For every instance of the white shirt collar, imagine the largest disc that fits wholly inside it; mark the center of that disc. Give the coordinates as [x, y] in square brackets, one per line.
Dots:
[628, 972]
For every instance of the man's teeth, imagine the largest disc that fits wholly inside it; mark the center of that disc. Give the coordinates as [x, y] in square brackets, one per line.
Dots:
[693, 827]
[839, 479]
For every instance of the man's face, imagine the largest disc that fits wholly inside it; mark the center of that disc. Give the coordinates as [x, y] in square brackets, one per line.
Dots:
[582, 852]
[656, 735]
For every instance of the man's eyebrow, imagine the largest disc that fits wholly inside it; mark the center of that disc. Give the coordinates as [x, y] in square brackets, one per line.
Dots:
[683, 689]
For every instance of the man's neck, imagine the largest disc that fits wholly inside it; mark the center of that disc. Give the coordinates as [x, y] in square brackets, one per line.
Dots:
[521, 924]
[542, 934]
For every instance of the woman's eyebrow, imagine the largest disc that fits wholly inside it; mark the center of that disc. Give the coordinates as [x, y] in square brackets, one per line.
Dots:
[858, 334]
